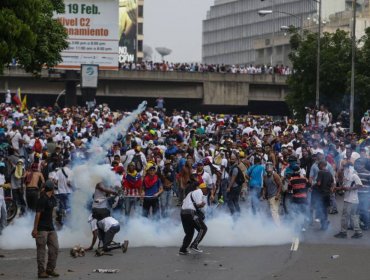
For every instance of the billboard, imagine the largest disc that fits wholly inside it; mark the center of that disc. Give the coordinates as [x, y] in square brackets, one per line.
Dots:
[92, 27]
[127, 30]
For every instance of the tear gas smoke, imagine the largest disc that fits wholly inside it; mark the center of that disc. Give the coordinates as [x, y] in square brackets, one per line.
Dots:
[223, 230]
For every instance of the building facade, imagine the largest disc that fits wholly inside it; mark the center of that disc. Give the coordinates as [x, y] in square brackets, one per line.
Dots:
[232, 26]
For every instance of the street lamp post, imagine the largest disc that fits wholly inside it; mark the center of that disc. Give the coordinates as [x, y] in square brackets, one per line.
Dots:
[318, 58]
[352, 98]
[269, 12]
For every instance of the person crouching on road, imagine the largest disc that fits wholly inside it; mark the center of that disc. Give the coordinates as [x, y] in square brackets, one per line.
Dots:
[192, 217]
[107, 229]
[44, 232]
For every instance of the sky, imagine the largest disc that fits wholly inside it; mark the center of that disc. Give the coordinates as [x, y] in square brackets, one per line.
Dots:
[177, 25]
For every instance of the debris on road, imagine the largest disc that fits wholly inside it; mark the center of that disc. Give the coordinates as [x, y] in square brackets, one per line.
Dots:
[106, 270]
[334, 257]
[77, 251]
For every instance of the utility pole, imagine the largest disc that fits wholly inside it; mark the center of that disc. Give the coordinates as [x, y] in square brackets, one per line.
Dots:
[352, 99]
[318, 58]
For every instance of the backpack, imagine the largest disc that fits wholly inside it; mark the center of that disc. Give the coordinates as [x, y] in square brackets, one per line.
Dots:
[138, 162]
[37, 147]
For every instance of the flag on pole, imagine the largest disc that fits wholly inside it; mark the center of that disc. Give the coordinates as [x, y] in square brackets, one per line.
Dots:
[24, 103]
[17, 97]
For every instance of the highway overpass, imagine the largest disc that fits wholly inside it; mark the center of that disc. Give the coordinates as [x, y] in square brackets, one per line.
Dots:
[209, 89]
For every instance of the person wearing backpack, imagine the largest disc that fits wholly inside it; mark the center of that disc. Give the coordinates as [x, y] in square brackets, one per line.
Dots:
[235, 185]
[272, 187]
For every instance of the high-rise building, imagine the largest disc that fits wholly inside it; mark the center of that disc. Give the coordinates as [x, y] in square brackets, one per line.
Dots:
[131, 30]
[232, 26]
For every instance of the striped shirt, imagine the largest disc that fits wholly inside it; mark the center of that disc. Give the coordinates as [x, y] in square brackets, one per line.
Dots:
[298, 185]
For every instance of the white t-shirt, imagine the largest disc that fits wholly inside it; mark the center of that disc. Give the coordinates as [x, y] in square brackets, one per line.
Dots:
[93, 223]
[352, 195]
[197, 197]
[366, 123]
[63, 181]
[15, 136]
[107, 223]
[224, 174]
[208, 180]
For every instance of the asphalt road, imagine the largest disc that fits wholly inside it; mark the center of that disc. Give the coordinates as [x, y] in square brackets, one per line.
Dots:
[313, 260]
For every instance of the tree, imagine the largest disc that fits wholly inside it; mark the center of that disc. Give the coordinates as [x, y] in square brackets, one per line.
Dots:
[29, 34]
[335, 67]
[362, 76]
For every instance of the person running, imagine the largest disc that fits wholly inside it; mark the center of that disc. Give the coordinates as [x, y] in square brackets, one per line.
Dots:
[272, 188]
[192, 217]
[298, 184]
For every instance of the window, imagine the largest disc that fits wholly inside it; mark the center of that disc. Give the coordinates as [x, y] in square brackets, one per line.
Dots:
[140, 45]
[140, 28]
[140, 11]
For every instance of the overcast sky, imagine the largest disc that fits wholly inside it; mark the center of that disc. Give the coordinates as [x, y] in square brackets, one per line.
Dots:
[177, 25]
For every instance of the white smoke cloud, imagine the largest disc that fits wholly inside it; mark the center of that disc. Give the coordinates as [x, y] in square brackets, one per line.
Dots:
[223, 229]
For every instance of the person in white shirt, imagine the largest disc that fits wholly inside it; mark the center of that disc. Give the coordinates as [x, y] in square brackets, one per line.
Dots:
[8, 97]
[191, 215]
[63, 180]
[15, 138]
[107, 229]
[351, 184]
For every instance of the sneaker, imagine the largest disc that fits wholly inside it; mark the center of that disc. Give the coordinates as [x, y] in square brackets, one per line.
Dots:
[99, 252]
[341, 235]
[196, 249]
[333, 212]
[356, 235]
[184, 253]
[52, 273]
[124, 246]
[43, 275]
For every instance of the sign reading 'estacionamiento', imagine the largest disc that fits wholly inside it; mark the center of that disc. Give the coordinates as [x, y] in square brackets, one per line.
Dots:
[92, 27]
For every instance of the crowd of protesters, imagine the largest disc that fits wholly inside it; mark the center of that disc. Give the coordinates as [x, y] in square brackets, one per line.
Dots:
[166, 66]
[295, 168]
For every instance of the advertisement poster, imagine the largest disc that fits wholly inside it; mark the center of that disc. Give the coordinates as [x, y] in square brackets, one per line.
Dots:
[93, 34]
[127, 30]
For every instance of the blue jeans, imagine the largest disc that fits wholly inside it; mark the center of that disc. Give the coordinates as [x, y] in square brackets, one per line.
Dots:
[254, 196]
[322, 203]
[333, 202]
[363, 208]
[63, 202]
[299, 209]
[233, 200]
[223, 189]
[165, 200]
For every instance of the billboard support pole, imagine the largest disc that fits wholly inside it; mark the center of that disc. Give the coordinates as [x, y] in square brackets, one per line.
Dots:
[70, 88]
